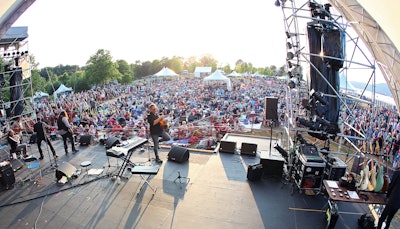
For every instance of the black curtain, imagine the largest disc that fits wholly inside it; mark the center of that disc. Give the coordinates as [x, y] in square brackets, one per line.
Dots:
[16, 95]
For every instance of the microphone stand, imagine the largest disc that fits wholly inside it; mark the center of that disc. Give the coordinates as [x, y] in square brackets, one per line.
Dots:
[270, 139]
[47, 148]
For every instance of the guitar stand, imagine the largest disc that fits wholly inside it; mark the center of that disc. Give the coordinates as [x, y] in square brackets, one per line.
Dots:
[180, 178]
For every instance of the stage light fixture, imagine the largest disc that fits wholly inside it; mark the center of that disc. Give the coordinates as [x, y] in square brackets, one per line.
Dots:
[289, 64]
[318, 96]
[291, 84]
[321, 121]
[290, 56]
[283, 152]
[289, 45]
[277, 3]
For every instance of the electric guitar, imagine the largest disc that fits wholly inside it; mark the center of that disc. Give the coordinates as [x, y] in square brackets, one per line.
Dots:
[372, 177]
[364, 176]
[164, 124]
[386, 180]
[379, 180]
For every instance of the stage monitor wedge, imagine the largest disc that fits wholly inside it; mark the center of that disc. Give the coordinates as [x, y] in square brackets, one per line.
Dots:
[227, 147]
[248, 149]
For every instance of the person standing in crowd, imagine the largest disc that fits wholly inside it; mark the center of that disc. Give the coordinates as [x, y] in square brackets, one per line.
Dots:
[65, 130]
[393, 199]
[39, 129]
[156, 129]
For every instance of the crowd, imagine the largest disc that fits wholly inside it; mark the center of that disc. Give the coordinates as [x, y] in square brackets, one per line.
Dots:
[196, 109]
[187, 104]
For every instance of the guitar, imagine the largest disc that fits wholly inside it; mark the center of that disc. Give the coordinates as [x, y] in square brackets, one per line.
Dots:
[386, 180]
[379, 180]
[164, 124]
[364, 176]
[372, 177]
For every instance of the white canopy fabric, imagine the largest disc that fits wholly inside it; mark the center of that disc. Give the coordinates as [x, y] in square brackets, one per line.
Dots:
[218, 76]
[62, 89]
[234, 74]
[40, 94]
[165, 72]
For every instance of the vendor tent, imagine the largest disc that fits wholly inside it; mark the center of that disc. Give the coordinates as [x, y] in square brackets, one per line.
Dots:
[218, 76]
[165, 72]
[62, 90]
[234, 74]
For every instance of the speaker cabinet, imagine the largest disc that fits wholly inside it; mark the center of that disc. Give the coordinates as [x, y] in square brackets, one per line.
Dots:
[7, 178]
[227, 147]
[271, 108]
[248, 149]
[65, 169]
[178, 154]
[85, 140]
[111, 141]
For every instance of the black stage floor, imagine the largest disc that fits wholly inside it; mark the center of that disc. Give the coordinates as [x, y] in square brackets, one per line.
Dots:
[218, 195]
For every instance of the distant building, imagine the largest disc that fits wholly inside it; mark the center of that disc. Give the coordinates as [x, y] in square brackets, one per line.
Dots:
[202, 71]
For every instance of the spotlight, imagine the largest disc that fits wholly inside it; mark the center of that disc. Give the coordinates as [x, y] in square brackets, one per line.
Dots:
[300, 139]
[289, 45]
[289, 65]
[318, 96]
[321, 121]
[290, 56]
[306, 123]
[277, 3]
[291, 85]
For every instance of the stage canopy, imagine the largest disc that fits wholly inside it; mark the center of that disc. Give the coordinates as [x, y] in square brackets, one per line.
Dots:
[165, 72]
[218, 76]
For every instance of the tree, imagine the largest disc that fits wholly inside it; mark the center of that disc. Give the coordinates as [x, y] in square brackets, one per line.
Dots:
[101, 69]
[208, 60]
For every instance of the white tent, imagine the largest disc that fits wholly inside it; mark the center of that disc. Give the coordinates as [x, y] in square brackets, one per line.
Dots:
[62, 89]
[165, 72]
[218, 76]
[234, 74]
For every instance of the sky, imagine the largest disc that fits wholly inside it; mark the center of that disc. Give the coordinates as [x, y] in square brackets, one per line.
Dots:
[68, 32]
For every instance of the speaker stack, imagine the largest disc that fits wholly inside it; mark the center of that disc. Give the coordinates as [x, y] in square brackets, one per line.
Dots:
[178, 154]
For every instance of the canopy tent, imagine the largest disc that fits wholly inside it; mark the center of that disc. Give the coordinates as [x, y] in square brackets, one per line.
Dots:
[234, 74]
[61, 90]
[40, 94]
[165, 72]
[218, 76]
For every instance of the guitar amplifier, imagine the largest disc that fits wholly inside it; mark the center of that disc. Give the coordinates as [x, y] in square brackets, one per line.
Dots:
[7, 178]
[254, 172]
[335, 168]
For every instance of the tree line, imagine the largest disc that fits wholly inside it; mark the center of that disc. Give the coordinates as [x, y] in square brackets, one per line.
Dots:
[100, 69]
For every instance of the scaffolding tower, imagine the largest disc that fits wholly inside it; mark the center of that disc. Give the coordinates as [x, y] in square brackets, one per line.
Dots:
[15, 77]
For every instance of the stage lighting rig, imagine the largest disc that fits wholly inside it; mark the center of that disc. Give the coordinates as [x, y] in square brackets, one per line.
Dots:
[319, 97]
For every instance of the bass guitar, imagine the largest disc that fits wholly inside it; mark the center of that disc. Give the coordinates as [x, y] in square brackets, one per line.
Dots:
[386, 180]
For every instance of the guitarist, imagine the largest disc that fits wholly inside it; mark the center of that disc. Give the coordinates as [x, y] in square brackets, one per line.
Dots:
[155, 129]
[393, 199]
[65, 130]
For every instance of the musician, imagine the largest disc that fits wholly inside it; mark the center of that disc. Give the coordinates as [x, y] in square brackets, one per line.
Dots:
[65, 130]
[39, 129]
[156, 130]
[393, 199]
[15, 146]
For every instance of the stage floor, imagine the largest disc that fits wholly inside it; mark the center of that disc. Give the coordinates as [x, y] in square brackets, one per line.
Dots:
[218, 195]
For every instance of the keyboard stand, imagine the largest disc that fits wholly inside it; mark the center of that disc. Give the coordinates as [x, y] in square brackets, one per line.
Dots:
[145, 173]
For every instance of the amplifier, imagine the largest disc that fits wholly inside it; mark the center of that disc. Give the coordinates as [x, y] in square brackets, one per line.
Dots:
[309, 175]
[335, 168]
